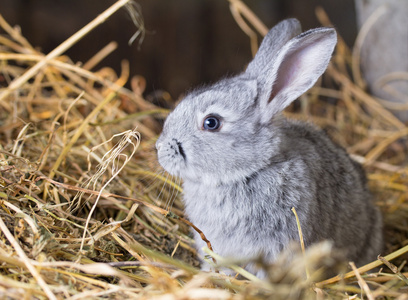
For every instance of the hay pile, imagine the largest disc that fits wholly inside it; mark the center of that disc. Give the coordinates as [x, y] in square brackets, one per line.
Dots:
[86, 212]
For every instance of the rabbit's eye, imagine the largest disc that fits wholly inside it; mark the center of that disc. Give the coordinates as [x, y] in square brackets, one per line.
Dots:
[212, 123]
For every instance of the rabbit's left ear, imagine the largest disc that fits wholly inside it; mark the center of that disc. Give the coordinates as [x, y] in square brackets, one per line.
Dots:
[295, 69]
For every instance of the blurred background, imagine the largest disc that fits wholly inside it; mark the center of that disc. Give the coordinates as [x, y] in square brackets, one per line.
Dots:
[187, 42]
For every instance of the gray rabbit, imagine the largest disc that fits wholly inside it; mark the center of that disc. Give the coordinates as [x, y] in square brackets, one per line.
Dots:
[244, 165]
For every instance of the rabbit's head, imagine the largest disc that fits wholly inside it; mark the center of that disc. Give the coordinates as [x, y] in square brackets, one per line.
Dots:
[230, 130]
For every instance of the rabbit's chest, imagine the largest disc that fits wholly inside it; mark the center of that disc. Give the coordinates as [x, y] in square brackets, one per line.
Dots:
[234, 210]
[229, 217]
[219, 212]
[207, 206]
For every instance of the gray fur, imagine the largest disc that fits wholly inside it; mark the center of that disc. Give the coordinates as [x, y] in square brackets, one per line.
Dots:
[241, 182]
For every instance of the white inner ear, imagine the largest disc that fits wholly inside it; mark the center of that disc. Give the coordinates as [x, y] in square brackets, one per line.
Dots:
[296, 71]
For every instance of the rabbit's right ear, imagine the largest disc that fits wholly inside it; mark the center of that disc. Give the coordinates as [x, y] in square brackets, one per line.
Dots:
[292, 69]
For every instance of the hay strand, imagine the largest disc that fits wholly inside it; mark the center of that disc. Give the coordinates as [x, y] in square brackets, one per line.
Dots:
[62, 48]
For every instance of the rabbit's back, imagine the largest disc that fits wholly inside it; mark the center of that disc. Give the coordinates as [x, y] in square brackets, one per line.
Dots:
[342, 207]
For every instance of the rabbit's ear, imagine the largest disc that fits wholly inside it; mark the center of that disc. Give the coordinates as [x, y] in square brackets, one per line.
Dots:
[276, 38]
[294, 70]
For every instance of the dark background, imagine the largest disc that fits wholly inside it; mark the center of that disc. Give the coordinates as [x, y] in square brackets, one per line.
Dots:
[188, 41]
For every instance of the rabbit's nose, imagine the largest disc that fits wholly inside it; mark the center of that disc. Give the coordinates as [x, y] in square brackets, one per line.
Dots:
[158, 145]
[159, 142]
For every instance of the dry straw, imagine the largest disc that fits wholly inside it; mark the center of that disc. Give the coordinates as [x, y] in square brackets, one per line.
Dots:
[71, 229]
